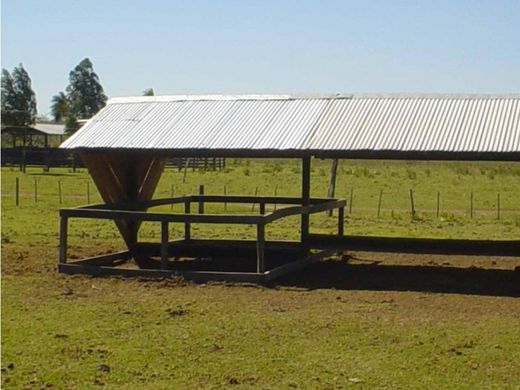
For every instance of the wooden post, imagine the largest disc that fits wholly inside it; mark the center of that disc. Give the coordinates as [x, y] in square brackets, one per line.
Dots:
[59, 191]
[260, 248]
[22, 162]
[498, 205]
[332, 183]
[341, 221]
[35, 191]
[379, 204]
[164, 245]
[253, 205]
[471, 205]
[411, 203]
[63, 240]
[201, 202]
[88, 192]
[187, 227]
[262, 207]
[47, 161]
[306, 192]
[438, 202]
[350, 200]
[17, 191]
[171, 196]
[186, 163]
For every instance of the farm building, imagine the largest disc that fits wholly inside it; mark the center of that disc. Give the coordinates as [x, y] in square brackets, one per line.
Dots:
[126, 144]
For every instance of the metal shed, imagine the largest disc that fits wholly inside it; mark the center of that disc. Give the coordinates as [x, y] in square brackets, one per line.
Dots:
[125, 146]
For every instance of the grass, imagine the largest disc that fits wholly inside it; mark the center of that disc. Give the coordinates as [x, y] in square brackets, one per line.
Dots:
[380, 321]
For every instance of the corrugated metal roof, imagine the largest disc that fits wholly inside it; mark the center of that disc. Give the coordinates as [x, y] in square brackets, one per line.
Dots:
[50, 128]
[333, 123]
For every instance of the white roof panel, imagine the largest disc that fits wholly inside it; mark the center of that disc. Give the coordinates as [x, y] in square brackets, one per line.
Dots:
[359, 122]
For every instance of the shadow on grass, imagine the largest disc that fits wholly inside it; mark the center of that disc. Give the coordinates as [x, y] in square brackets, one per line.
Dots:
[340, 275]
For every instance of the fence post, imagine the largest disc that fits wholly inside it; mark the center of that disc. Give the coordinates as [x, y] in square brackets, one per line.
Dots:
[63, 239]
[498, 205]
[411, 203]
[260, 248]
[17, 191]
[201, 202]
[164, 245]
[438, 202]
[187, 228]
[471, 205]
[253, 206]
[379, 204]
[341, 220]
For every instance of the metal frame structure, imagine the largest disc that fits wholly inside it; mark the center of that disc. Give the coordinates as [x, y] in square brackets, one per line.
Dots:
[298, 252]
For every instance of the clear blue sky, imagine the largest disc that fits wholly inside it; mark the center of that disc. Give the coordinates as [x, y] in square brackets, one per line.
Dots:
[260, 46]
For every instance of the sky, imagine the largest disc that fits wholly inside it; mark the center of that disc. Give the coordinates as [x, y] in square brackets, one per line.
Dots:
[266, 46]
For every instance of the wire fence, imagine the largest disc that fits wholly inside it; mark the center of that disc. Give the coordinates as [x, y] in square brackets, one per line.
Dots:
[381, 203]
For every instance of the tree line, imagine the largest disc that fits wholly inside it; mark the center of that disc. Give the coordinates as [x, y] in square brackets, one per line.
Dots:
[83, 97]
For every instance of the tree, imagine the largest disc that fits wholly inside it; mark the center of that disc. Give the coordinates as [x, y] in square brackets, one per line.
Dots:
[148, 92]
[59, 107]
[85, 94]
[8, 91]
[18, 98]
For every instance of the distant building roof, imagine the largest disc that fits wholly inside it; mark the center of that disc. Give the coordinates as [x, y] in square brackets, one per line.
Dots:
[37, 129]
[362, 125]
[50, 128]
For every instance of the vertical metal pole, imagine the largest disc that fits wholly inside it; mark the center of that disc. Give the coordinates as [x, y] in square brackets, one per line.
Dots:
[164, 245]
[438, 202]
[260, 248]
[63, 240]
[262, 207]
[17, 191]
[201, 202]
[341, 221]
[306, 192]
[187, 227]
[350, 200]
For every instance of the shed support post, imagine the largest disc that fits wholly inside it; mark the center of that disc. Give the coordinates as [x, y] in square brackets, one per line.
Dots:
[63, 240]
[260, 248]
[164, 245]
[306, 192]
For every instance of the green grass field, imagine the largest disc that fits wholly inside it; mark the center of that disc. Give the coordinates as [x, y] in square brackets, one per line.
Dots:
[378, 321]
